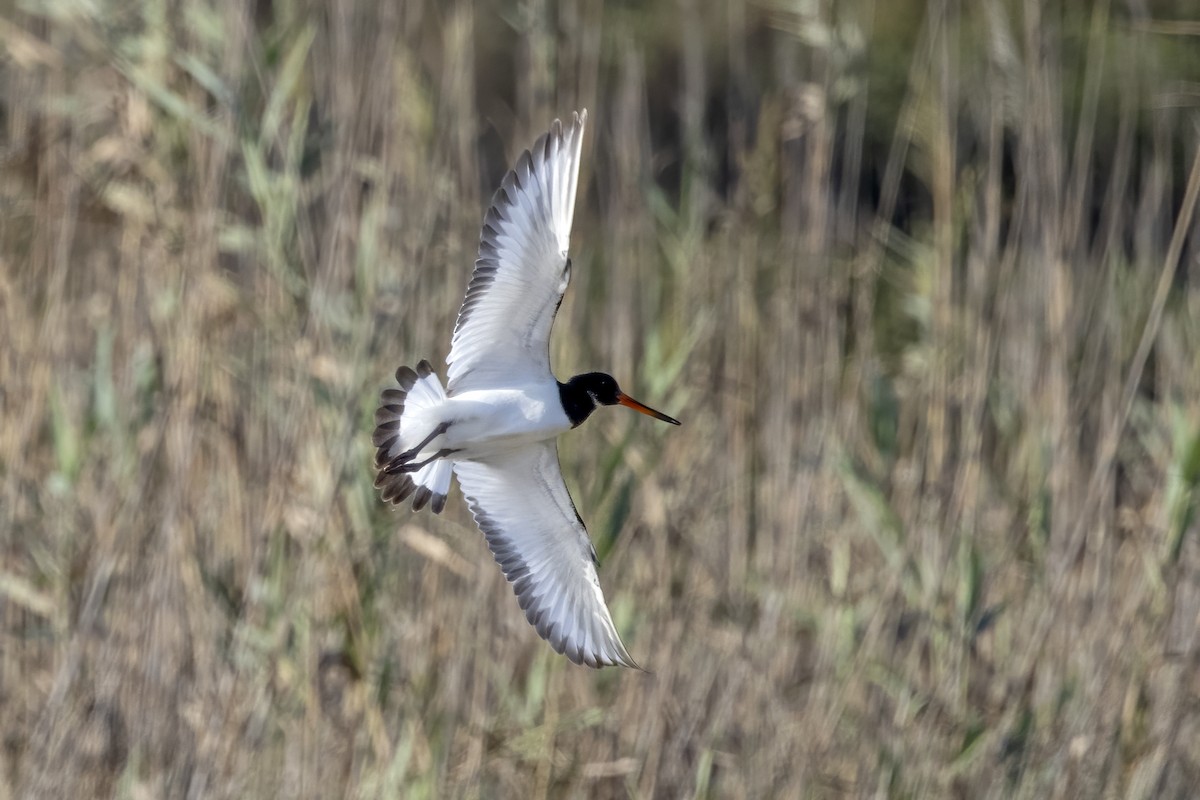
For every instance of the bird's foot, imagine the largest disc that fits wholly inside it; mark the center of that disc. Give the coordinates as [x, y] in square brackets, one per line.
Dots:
[412, 466]
[411, 453]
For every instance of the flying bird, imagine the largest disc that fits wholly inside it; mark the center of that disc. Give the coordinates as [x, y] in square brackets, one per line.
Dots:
[495, 422]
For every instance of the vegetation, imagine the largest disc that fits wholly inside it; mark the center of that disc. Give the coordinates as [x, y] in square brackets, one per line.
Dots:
[920, 279]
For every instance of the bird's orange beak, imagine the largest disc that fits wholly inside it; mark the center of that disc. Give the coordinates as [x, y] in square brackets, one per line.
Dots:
[629, 402]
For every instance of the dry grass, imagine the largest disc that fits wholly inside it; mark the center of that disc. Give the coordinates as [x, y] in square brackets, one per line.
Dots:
[920, 279]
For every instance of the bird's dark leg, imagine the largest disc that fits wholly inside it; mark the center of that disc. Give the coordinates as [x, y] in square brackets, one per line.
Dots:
[410, 454]
[411, 466]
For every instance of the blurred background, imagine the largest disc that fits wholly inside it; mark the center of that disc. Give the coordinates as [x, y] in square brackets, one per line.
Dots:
[920, 277]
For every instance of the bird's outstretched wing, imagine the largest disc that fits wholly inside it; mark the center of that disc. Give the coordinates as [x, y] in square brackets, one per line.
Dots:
[503, 330]
[521, 504]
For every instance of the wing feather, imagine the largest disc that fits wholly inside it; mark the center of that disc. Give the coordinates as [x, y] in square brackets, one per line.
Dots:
[503, 328]
[521, 504]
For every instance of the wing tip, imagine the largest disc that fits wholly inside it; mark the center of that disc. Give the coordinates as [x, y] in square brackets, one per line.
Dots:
[621, 658]
[560, 134]
[616, 657]
[574, 135]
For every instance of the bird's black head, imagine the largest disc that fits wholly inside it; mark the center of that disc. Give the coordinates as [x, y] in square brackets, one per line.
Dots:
[583, 393]
[601, 386]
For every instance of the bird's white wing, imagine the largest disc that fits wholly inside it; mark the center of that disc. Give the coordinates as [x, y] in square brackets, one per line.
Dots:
[503, 328]
[521, 504]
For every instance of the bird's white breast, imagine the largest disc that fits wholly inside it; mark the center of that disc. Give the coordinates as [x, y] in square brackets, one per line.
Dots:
[487, 421]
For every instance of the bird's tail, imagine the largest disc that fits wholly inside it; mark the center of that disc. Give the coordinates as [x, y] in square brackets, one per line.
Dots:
[407, 430]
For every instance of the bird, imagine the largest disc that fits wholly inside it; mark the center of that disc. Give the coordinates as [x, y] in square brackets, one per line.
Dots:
[495, 422]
